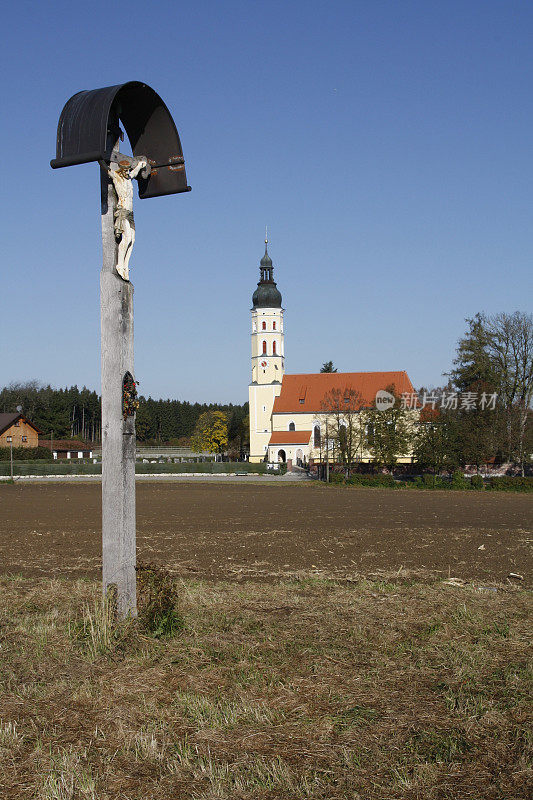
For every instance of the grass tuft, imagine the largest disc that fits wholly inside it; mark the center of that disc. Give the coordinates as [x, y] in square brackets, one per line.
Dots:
[9, 735]
[158, 601]
[98, 629]
[68, 779]
[212, 713]
[437, 746]
[146, 746]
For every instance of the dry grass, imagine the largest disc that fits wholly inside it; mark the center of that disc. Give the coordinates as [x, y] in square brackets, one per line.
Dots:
[67, 778]
[306, 689]
[96, 628]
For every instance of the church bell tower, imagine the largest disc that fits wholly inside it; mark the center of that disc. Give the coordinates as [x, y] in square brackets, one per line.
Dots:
[268, 357]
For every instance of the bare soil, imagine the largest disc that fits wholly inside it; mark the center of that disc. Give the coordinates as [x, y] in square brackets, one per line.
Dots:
[266, 532]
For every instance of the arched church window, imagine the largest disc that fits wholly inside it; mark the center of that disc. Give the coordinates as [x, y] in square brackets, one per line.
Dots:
[273, 348]
[264, 325]
[316, 436]
[264, 348]
[274, 325]
[292, 426]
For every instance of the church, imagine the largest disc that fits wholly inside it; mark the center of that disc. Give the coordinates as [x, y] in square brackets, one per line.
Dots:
[286, 411]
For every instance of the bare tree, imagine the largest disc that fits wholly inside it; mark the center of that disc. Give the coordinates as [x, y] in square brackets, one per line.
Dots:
[340, 411]
[510, 346]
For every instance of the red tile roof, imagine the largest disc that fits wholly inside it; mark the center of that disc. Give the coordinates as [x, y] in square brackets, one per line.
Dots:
[290, 437]
[312, 389]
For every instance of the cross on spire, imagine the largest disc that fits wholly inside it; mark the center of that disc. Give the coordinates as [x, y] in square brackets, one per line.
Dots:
[266, 268]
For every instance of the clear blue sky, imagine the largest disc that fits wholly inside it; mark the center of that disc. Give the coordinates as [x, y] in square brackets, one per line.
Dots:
[387, 145]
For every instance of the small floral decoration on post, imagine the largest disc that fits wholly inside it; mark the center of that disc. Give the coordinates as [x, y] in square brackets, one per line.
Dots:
[130, 404]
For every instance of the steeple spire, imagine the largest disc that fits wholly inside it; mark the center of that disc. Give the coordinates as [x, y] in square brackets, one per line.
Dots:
[266, 260]
[266, 268]
[266, 295]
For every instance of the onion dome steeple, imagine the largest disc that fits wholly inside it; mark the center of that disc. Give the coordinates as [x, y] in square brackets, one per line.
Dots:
[267, 294]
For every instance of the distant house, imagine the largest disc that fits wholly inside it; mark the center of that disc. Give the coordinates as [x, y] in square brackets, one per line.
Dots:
[67, 448]
[17, 431]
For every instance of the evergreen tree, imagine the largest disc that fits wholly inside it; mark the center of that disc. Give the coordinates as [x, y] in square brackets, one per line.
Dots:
[474, 368]
[327, 366]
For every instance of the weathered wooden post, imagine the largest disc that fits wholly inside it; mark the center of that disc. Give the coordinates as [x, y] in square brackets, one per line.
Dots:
[89, 130]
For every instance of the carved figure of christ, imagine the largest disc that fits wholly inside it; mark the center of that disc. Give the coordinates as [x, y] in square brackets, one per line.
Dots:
[124, 223]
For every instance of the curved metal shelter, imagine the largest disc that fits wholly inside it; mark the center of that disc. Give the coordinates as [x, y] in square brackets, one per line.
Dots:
[89, 122]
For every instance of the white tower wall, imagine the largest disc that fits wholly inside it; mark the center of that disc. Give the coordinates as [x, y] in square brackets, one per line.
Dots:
[268, 367]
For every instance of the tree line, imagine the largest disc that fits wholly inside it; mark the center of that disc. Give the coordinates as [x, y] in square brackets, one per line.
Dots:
[69, 413]
[74, 413]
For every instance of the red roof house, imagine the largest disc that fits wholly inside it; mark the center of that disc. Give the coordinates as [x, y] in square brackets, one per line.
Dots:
[290, 437]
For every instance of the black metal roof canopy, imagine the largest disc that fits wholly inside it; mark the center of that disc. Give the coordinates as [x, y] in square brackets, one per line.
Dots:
[86, 119]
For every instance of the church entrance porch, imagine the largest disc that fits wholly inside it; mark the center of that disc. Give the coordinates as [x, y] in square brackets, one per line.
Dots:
[282, 456]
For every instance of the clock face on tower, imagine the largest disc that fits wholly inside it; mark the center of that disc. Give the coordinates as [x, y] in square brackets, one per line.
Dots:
[264, 363]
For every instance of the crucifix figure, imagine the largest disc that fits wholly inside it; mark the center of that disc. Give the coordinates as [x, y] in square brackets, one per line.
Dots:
[128, 168]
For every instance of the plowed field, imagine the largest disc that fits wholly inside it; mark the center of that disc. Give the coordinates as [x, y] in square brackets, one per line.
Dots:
[269, 531]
